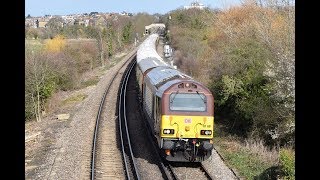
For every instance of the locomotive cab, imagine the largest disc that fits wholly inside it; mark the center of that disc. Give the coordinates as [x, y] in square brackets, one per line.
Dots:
[187, 122]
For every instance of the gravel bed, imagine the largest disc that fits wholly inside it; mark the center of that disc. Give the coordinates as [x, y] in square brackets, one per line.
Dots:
[217, 168]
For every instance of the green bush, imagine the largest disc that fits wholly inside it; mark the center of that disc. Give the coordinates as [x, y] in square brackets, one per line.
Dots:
[127, 33]
[287, 163]
[47, 88]
[240, 89]
[65, 82]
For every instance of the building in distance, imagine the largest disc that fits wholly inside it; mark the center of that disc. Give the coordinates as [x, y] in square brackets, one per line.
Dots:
[195, 5]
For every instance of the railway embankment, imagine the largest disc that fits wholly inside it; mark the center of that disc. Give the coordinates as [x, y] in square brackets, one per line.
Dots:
[61, 150]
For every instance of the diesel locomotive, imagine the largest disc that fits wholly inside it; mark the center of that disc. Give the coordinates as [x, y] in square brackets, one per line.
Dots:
[179, 109]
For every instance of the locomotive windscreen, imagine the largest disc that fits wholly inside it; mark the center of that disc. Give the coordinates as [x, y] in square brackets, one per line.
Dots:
[188, 102]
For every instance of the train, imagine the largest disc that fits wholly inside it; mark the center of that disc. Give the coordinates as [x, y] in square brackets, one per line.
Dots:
[179, 110]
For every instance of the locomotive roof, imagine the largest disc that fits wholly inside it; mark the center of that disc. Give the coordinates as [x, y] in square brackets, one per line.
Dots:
[165, 86]
[159, 92]
[160, 75]
[151, 62]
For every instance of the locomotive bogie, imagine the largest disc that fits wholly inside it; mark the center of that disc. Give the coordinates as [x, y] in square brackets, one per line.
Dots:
[186, 150]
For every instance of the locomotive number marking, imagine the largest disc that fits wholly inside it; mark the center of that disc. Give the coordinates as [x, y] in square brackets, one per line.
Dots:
[187, 121]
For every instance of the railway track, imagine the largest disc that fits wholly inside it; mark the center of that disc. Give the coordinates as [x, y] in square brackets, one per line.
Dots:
[188, 171]
[128, 158]
[105, 157]
[205, 171]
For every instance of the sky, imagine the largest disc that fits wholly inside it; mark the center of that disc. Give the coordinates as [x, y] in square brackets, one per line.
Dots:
[64, 7]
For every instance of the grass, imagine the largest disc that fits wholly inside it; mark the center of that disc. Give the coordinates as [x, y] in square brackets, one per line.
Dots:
[113, 62]
[76, 98]
[90, 82]
[33, 45]
[95, 80]
[287, 162]
[250, 163]
[270, 156]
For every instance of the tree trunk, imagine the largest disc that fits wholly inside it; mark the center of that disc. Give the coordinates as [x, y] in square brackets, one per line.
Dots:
[91, 64]
[118, 38]
[101, 58]
[35, 107]
[38, 105]
[101, 50]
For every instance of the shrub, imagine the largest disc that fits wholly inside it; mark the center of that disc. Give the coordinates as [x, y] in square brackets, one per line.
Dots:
[287, 163]
[127, 33]
[56, 44]
[47, 88]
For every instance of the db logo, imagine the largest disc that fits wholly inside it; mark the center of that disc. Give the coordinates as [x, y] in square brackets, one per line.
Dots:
[187, 120]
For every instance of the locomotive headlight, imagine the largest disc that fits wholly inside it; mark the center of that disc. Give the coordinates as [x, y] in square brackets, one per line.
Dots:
[205, 132]
[168, 131]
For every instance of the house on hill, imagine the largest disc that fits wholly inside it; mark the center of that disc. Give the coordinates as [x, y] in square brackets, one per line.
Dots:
[195, 5]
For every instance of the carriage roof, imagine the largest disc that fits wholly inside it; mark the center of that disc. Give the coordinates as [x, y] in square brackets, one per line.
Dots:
[160, 78]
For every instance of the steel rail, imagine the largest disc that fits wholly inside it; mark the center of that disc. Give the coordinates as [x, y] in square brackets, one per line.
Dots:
[122, 105]
[96, 129]
[206, 173]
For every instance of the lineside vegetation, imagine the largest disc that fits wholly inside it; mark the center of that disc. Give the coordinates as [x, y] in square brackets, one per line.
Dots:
[56, 57]
[246, 55]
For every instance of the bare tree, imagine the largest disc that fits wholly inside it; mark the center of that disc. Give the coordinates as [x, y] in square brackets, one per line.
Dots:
[54, 26]
[97, 34]
[278, 33]
[36, 72]
[101, 47]
[118, 25]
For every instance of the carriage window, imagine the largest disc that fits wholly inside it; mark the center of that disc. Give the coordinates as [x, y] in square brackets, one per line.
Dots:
[188, 102]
